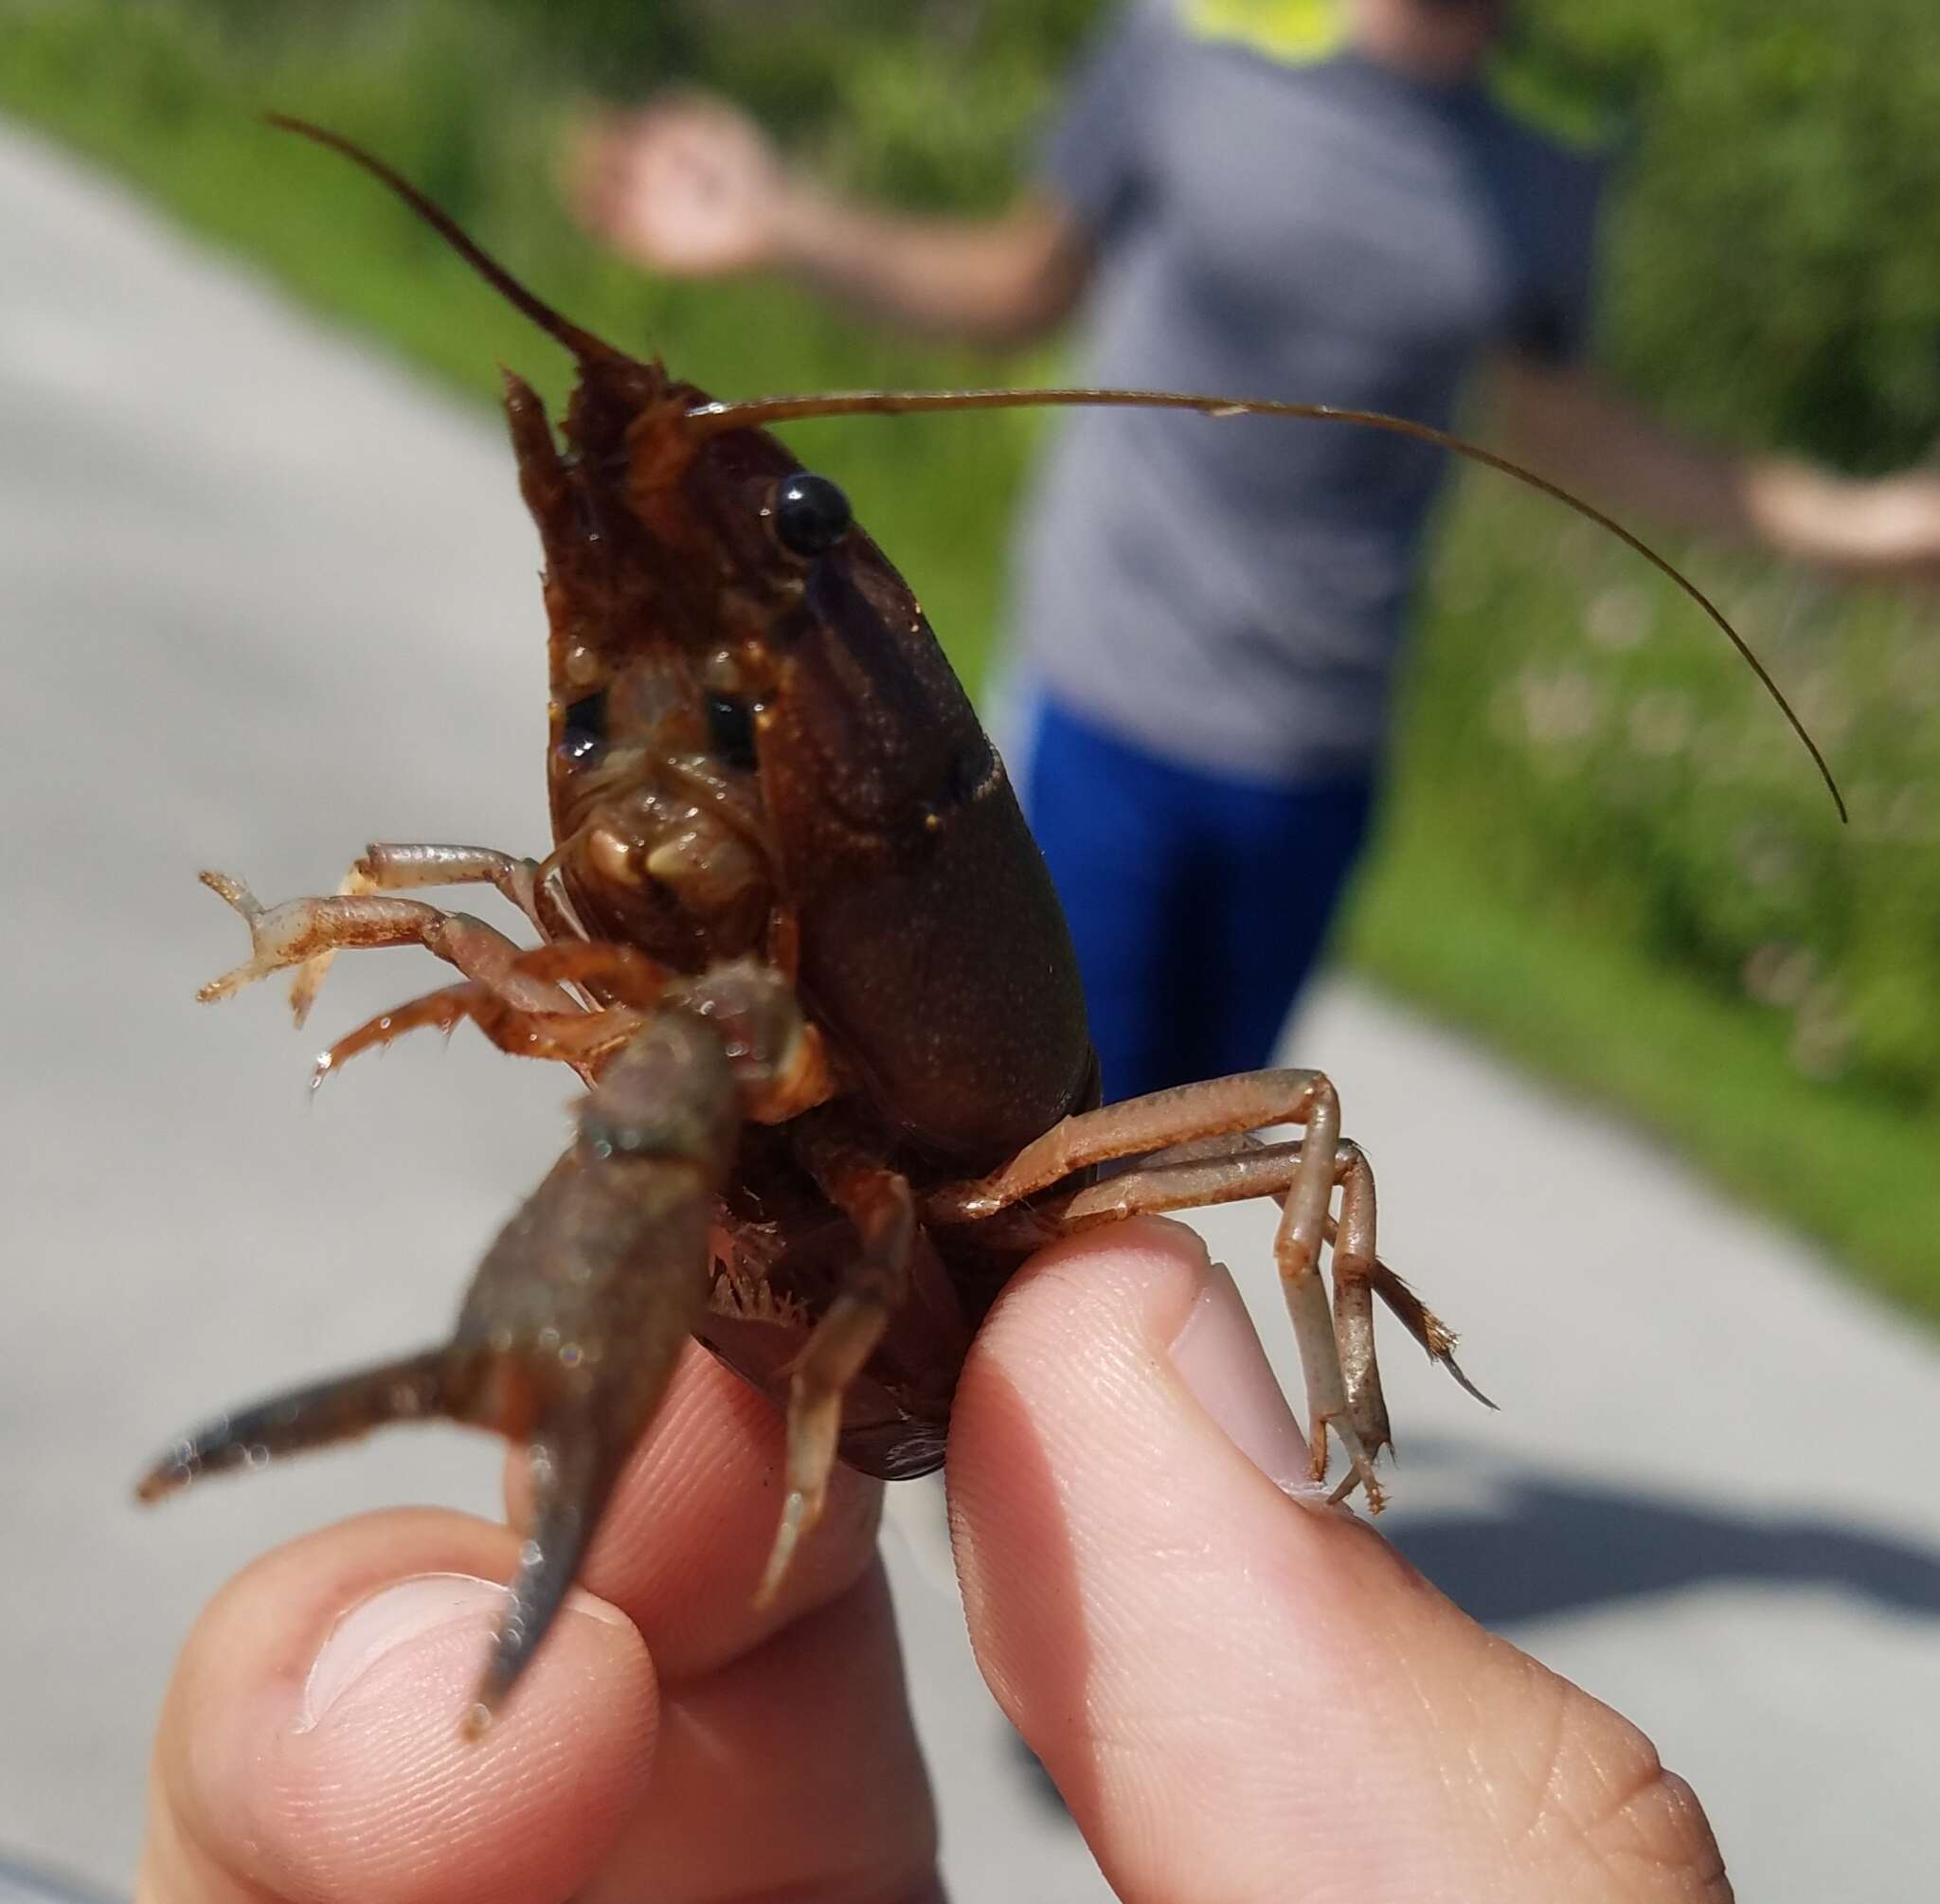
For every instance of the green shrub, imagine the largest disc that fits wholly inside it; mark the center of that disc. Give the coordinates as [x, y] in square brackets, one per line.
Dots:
[1768, 270]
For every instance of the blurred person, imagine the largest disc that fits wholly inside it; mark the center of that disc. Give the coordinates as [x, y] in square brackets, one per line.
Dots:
[1314, 200]
[1296, 1714]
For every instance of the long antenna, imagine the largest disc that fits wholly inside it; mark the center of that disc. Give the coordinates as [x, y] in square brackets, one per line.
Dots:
[759, 412]
[583, 344]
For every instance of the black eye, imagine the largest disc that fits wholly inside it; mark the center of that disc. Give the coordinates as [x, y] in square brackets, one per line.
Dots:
[811, 514]
[584, 728]
[730, 731]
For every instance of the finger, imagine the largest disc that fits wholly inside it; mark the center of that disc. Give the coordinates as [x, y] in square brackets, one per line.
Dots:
[792, 1716]
[310, 1742]
[587, 161]
[1243, 1694]
[684, 166]
[614, 169]
[792, 1772]
[678, 107]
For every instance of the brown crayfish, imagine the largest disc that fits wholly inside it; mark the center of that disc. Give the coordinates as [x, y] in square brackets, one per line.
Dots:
[799, 945]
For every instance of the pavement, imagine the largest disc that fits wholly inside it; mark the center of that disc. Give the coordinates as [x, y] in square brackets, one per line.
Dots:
[265, 598]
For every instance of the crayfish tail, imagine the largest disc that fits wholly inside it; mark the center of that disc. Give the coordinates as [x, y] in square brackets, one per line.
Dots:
[342, 1409]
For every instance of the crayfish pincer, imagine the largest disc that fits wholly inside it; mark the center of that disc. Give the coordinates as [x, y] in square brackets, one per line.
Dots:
[799, 945]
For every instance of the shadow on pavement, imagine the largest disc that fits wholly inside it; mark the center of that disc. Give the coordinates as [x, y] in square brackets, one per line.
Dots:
[35, 1884]
[1545, 1546]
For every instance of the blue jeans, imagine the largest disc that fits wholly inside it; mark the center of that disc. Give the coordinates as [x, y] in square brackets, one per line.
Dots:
[1198, 905]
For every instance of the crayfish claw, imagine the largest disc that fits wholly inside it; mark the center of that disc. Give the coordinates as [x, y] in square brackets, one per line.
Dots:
[233, 892]
[304, 989]
[575, 1321]
[306, 932]
[569, 1482]
[307, 983]
[1360, 1472]
[433, 1382]
[356, 883]
[800, 1512]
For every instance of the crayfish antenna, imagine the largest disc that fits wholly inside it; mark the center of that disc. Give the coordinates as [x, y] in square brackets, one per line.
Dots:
[583, 344]
[709, 419]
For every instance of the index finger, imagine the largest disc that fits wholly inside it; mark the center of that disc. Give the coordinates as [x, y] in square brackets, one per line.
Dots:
[310, 1744]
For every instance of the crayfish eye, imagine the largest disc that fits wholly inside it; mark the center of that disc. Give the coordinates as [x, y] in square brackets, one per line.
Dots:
[584, 730]
[811, 514]
[730, 731]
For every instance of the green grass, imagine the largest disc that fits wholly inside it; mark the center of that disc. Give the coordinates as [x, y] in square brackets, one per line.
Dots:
[1708, 1075]
[1582, 909]
[171, 107]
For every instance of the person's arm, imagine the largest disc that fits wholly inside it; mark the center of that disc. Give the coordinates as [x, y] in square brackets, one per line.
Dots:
[1565, 425]
[693, 187]
[1002, 281]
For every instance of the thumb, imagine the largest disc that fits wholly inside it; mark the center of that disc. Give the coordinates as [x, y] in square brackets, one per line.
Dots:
[1242, 1692]
[310, 1744]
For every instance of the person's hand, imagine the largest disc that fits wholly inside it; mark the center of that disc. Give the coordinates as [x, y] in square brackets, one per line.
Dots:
[689, 185]
[1241, 1696]
[1888, 526]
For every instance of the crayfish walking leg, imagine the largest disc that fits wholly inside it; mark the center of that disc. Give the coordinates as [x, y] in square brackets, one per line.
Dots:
[877, 1201]
[302, 932]
[1190, 1169]
[382, 868]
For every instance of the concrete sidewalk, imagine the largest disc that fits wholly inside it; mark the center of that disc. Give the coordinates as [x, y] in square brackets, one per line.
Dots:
[264, 599]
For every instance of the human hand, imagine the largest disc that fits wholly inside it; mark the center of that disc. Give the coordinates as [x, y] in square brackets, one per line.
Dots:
[689, 185]
[1239, 1695]
[1887, 527]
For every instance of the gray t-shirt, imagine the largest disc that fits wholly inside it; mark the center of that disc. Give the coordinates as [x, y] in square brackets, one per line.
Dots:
[1229, 593]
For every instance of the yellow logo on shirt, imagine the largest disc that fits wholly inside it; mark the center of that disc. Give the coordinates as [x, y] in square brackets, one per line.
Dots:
[1297, 32]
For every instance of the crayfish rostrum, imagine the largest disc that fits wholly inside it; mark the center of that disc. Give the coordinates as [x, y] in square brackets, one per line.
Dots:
[798, 942]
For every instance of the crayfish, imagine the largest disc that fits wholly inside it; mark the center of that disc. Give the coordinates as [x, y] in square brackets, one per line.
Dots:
[798, 943]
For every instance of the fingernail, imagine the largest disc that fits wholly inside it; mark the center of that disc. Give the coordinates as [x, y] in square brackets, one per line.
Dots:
[377, 1627]
[1219, 1359]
